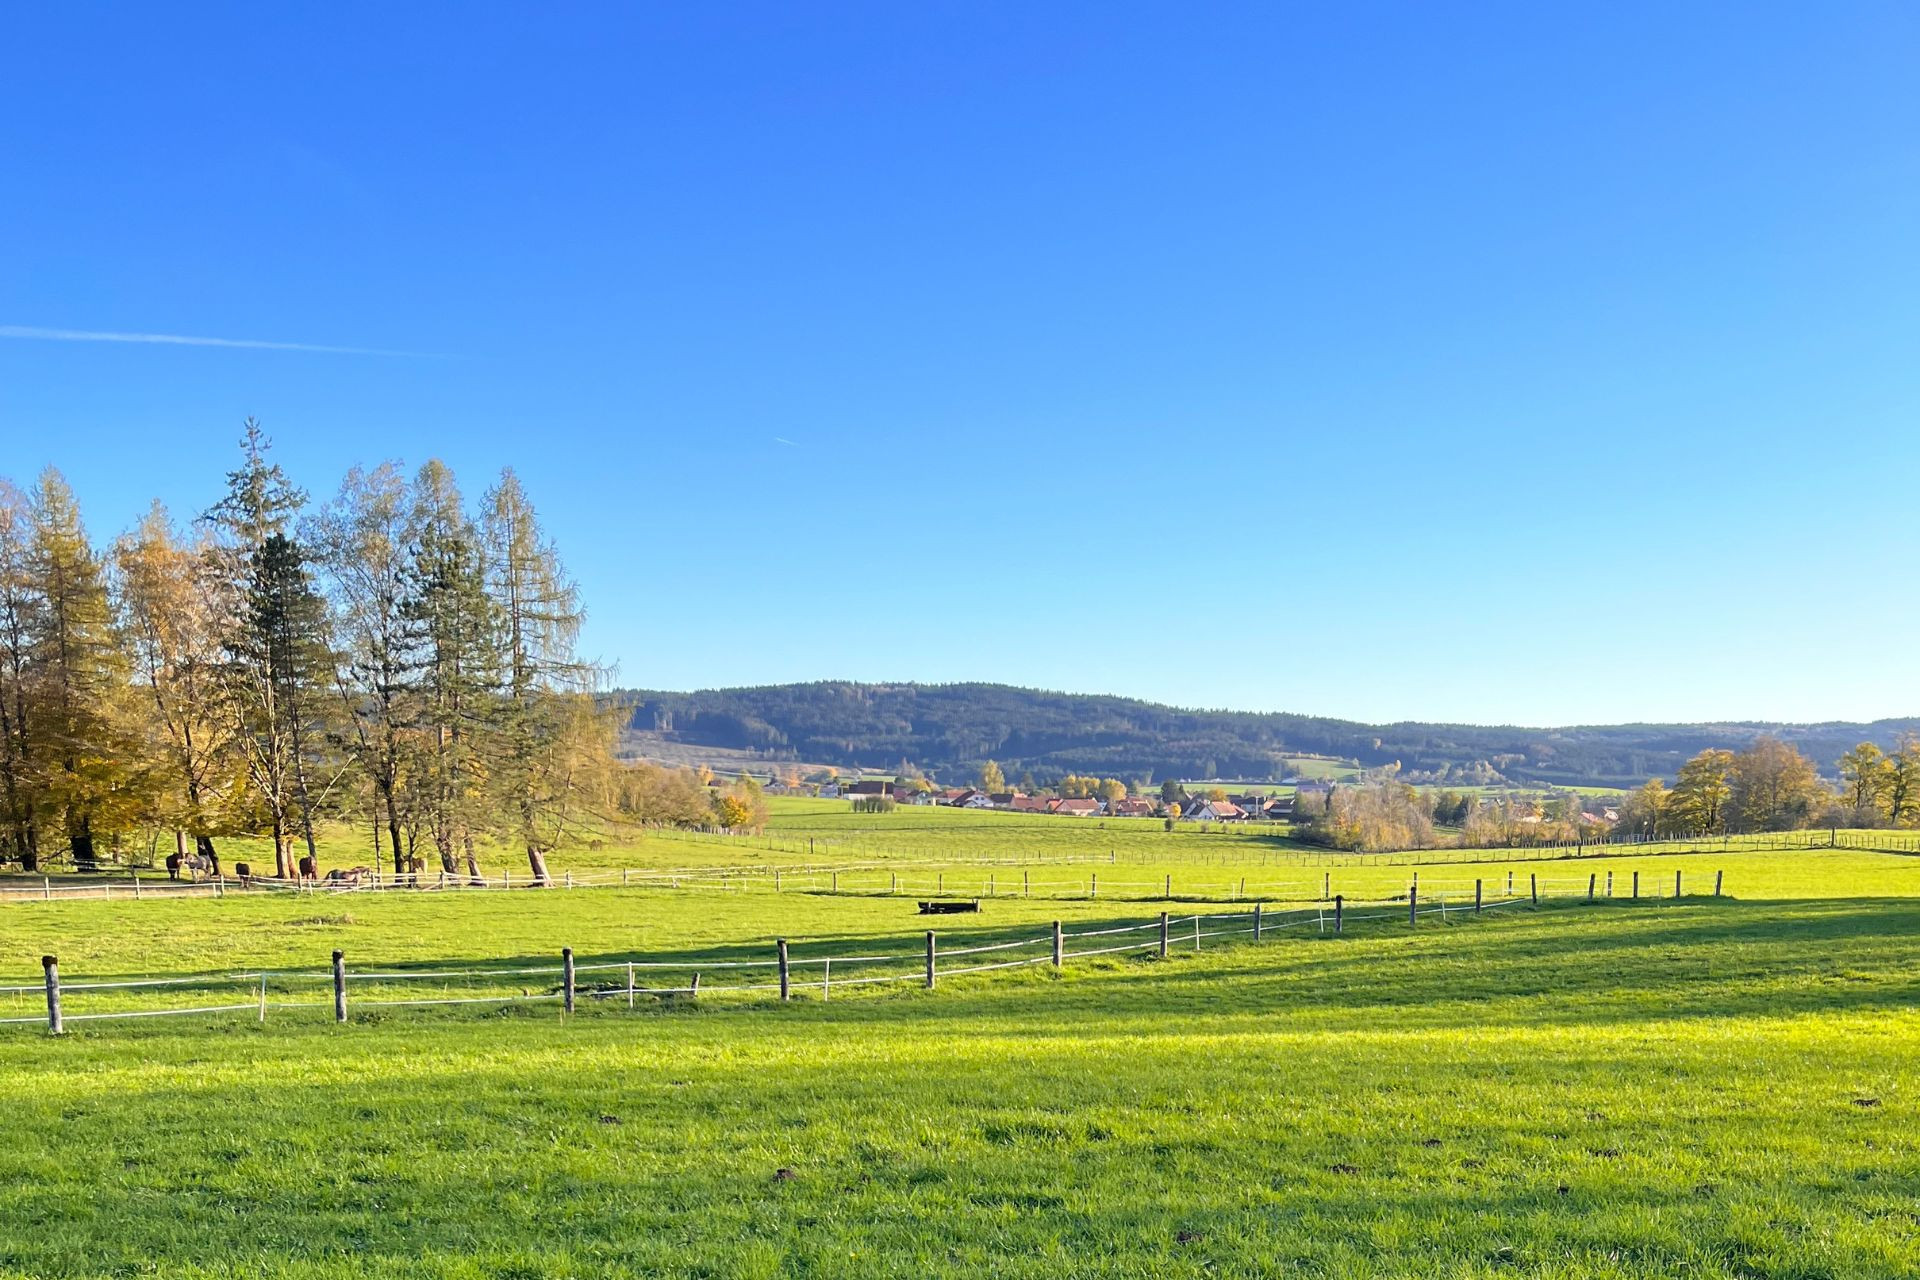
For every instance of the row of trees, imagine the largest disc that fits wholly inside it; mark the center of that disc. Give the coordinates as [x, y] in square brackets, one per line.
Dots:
[387, 656]
[1771, 786]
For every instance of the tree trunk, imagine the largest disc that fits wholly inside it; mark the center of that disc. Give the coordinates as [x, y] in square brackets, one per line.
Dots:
[538, 861]
[280, 868]
[393, 837]
[473, 863]
[80, 841]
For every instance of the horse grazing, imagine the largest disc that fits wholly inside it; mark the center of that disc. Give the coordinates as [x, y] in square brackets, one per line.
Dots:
[245, 871]
[349, 876]
[173, 866]
[308, 869]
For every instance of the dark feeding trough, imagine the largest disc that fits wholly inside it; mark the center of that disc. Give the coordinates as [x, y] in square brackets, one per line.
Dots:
[949, 907]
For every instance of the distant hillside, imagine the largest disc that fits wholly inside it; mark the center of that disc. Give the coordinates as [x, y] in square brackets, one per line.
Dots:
[949, 730]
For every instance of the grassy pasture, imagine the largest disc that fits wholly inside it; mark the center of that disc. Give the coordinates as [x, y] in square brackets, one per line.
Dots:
[1714, 1089]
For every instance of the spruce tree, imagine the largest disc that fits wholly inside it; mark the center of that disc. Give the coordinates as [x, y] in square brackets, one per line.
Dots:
[272, 663]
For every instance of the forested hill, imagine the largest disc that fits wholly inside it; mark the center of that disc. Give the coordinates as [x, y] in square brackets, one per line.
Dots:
[948, 730]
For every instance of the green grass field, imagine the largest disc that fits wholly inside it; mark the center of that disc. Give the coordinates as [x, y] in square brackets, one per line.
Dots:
[1702, 1087]
[1705, 1089]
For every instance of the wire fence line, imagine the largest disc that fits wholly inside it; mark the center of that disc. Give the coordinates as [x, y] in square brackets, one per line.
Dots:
[339, 988]
[977, 880]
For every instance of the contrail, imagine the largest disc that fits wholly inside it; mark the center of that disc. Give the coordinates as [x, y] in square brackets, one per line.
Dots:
[184, 340]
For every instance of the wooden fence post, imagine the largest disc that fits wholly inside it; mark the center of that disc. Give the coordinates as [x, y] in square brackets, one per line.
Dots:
[1256, 922]
[694, 989]
[1059, 945]
[566, 979]
[786, 985]
[1509, 884]
[932, 972]
[1326, 885]
[1590, 880]
[1163, 935]
[1609, 883]
[1413, 901]
[1716, 882]
[826, 977]
[1339, 901]
[1533, 886]
[569, 877]
[1636, 886]
[1026, 883]
[55, 1024]
[1093, 886]
[339, 986]
[1476, 895]
[1676, 883]
[630, 991]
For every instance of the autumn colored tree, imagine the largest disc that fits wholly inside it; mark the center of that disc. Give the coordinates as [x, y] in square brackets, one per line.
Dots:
[19, 614]
[365, 541]
[1775, 788]
[1704, 787]
[1868, 775]
[460, 676]
[549, 738]
[992, 780]
[174, 637]
[79, 732]
[1903, 781]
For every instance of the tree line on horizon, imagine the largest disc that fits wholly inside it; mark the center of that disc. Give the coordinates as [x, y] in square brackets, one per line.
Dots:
[389, 657]
[1769, 786]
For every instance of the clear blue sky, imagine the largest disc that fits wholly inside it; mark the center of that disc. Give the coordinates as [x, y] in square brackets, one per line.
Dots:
[1529, 363]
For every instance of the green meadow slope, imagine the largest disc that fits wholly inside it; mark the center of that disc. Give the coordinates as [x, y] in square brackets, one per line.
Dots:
[1714, 1088]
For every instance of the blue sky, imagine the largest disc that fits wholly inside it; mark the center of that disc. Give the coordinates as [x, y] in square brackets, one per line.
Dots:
[1539, 364]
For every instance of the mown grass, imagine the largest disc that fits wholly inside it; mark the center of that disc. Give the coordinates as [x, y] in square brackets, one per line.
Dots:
[1711, 1089]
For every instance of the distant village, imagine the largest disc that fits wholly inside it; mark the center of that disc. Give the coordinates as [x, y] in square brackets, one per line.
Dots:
[1213, 806]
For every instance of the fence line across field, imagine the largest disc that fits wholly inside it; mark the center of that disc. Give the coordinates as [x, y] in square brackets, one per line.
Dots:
[1164, 935]
[831, 881]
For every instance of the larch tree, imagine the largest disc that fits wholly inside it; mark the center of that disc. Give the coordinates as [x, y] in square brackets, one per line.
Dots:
[365, 538]
[460, 677]
[173, 635]
[82, 676]
[19, 621]
[550, 740]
